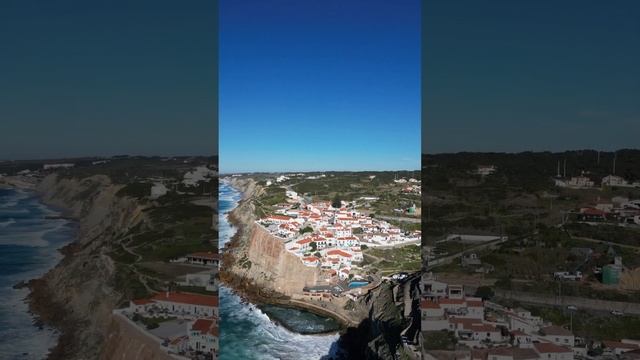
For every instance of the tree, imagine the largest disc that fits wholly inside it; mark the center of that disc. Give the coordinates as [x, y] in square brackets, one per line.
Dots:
[484, 292]
[313, 246]
[337, 202]
[306, 229]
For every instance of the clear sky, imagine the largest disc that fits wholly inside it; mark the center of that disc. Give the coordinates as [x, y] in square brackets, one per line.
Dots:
[82, 78]
[531, 75]
[319, 85]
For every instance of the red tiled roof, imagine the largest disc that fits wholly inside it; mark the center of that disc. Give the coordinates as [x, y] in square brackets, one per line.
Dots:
[205, 326]
[427, 304]
[619, 345]
[278, 217]
[592, 211]
[481, 327]
[451, 301]
[310, 259]
[186, 298]
[303, 241]
[555, 330]
[339, 253]
[474, 303]
[546, 348]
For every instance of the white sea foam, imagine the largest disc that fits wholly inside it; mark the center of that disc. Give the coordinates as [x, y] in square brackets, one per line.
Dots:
[245, 323]
[19, 339]
[7, 222]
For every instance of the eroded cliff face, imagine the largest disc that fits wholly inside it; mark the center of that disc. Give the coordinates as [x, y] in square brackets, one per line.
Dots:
[125, 342]
[378, 335]
[271, 266]
[78, 295]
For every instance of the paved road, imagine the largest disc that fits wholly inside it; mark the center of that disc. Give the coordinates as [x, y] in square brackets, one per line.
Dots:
[448, 259]
[400, 218]
[606, 242]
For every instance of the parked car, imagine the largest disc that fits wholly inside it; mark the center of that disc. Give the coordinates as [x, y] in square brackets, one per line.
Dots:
[572, 308]
[617, 313]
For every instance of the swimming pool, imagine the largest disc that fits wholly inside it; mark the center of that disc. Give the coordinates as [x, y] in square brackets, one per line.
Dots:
[355, 284]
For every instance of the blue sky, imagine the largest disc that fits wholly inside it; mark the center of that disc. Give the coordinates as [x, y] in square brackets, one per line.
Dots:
[319, 85]
[83, 78]
[531, 75]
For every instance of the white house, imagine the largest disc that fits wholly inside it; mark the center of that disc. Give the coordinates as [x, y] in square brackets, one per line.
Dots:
[158, 190]
[432, 316]
[340, 255]
[553, 352]
[291, 194]
[187, 304]
[203, 336]
[613, 180]
[558, 335]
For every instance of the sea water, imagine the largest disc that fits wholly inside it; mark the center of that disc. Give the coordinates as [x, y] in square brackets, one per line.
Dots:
[30, 236]
[247, 332]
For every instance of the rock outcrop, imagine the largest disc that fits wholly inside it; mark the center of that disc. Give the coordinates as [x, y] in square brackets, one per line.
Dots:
[378, 335]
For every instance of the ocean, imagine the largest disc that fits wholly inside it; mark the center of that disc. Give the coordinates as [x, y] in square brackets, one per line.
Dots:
[248, 333]
[29, 241]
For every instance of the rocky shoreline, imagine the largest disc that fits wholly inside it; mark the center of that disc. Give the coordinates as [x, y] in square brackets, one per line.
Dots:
[76, 296]
[44, 310]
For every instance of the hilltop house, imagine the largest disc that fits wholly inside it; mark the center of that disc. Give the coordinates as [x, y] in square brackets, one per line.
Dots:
[207, 258]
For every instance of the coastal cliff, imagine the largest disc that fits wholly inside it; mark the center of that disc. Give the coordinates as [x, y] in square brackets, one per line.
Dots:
[270, 266]
[257, 264]
[78, 295]
[257, 261]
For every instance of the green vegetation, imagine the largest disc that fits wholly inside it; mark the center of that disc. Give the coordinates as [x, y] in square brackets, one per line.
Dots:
[484, 292]
[336, 202]
[245, 263]
[607, 233]
[405, 258]
[439, 340]
[273, 195]
[138, 190]
[151, 322]
[127, 281]
[306, 229]
[594, 327]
